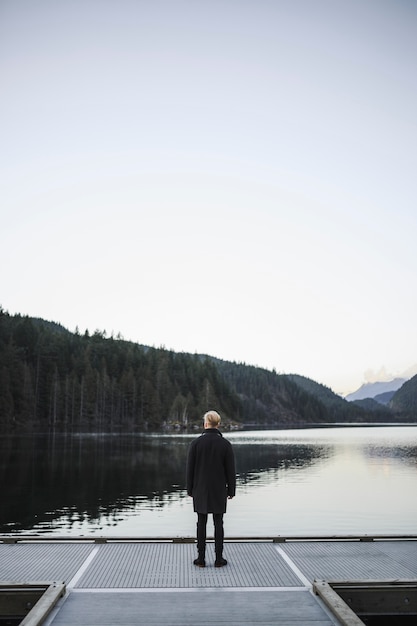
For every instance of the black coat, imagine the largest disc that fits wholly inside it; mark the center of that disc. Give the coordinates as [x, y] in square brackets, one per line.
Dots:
[211, 475]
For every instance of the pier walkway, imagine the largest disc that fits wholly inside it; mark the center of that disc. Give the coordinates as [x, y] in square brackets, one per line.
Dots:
[131, 581]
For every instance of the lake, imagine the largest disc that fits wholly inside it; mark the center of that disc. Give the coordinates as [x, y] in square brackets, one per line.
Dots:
[350, 480]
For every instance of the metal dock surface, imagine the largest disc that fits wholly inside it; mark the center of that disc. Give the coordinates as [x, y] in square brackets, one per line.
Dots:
[129, 582]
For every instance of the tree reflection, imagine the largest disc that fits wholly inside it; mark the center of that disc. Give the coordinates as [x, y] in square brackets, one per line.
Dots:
[254, 460]
[84, 477]
[66, 480]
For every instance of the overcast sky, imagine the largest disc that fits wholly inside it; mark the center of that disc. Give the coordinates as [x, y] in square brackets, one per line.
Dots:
[235, 178]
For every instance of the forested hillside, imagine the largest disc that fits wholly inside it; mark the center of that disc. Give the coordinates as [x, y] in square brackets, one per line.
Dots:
[404, 400]
[52, 378]
[267, 397]
[339, 409]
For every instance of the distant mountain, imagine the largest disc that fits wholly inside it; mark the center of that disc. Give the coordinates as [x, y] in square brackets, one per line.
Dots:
[384, 398]
[370, 390]
[404, 400]
[340, 410]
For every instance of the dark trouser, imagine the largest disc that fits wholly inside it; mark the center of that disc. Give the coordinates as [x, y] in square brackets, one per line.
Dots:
[218, 534]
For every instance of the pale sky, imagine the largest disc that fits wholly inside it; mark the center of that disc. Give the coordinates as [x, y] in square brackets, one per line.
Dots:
[235, 178]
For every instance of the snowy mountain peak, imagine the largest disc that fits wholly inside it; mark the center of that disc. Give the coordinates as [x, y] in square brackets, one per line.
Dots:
[370, 390]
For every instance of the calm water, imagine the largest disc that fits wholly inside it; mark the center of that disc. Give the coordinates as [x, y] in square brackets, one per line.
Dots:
[316, 481]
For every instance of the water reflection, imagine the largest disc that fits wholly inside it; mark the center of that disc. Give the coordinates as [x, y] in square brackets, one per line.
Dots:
[268, 460]
[136, 483]
[85, 476]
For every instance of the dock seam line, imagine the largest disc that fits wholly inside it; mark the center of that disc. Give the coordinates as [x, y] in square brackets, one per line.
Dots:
[105, 590]
[74, 580]
[294, 568]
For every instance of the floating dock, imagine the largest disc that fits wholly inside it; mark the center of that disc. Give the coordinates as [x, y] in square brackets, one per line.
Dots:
[288, 581]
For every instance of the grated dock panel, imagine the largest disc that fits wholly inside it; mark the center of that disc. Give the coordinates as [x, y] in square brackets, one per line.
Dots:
[348, 560]
[25, 562]
[171, 565]
[404, 552]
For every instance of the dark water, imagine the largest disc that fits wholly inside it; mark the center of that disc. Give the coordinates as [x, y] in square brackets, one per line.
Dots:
[316, 481]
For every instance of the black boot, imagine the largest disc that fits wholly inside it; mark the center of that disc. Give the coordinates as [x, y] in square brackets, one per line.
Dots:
[200, 561]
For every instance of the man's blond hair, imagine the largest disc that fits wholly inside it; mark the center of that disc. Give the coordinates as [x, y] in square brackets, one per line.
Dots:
[212, 419]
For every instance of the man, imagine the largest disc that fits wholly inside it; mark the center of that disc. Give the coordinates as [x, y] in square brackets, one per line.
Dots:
[211, 480]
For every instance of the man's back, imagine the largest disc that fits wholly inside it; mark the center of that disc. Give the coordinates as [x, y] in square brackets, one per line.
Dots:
[211, 474]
